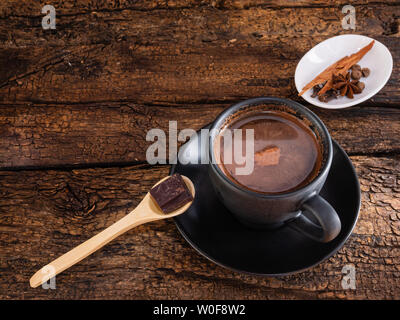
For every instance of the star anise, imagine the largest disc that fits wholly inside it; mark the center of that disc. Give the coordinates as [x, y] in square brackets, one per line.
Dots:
[346, 86]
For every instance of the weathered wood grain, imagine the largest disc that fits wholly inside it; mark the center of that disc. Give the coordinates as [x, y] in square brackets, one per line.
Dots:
[56, 135]
[26, 8]
[45, 213]
[86, 94]
[190, 54]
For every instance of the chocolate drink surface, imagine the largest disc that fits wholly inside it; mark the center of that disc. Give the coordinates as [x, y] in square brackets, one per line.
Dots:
[287, 155]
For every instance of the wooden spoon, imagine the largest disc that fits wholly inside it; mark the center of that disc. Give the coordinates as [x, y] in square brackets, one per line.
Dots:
[146, 211]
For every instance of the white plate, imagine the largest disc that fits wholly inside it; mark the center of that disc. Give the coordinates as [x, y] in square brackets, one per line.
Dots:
[378, 60]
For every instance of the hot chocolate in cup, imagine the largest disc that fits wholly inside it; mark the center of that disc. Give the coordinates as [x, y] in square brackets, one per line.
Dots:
[286, 162]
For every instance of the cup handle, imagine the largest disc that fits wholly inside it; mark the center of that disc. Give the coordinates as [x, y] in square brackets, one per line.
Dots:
[329, 222]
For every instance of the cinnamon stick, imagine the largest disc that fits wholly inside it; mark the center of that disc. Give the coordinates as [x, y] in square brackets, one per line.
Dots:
[339, 67]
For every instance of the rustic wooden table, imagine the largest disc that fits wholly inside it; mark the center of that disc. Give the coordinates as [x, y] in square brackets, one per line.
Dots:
[76, 103]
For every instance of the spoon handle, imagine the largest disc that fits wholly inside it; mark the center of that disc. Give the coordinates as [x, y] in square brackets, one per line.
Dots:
[137, 217]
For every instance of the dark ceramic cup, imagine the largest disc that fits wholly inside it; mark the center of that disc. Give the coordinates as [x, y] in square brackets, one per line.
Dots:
[302, 209]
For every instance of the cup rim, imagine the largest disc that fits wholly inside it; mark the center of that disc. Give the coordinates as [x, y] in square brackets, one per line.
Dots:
[257, 101]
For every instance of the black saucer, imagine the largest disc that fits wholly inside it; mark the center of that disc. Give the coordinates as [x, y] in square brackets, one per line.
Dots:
[210, 228]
